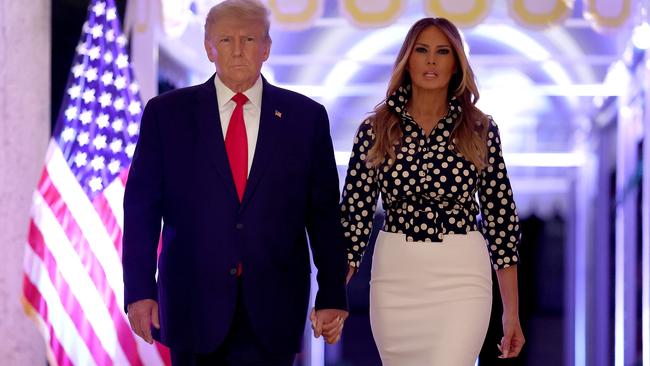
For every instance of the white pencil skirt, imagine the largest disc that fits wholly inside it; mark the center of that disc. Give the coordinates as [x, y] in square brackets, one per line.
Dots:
[430, 302]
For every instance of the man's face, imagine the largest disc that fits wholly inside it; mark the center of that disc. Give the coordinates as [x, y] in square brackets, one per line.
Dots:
[237, 48]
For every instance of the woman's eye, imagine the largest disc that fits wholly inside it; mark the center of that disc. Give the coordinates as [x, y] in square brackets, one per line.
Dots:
[443, 51]
[420, 49]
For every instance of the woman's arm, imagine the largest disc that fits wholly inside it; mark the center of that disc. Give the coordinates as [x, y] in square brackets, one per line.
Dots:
[513, 336]
[507, 278]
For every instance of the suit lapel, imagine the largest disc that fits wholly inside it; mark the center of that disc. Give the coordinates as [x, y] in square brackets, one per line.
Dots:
[209, 122]
[270, 126]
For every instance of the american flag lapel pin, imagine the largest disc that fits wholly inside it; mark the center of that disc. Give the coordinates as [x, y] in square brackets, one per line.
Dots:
[278, 113]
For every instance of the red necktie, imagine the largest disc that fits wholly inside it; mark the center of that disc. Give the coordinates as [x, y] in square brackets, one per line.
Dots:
[237, 145]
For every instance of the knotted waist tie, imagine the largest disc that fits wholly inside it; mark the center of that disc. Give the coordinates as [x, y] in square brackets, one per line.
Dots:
[424, 223]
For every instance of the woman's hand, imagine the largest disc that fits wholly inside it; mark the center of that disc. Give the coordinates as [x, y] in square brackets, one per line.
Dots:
[328, 323]
[349, 275]
[513, 337]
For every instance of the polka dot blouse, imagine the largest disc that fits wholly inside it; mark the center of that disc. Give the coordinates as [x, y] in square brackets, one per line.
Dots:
[430, 190]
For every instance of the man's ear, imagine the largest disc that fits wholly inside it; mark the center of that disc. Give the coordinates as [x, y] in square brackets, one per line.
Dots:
[267, 50]
[210, 51]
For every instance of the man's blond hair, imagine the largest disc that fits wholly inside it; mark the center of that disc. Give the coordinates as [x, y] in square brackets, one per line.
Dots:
[249, 10]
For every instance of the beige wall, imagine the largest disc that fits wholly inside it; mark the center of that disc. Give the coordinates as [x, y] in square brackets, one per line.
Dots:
[24, 131]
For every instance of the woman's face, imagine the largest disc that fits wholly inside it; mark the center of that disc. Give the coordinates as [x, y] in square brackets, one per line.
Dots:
[432, 62]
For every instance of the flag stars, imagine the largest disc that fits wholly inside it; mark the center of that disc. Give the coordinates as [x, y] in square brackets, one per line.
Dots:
[83, 138]
[81, 159]
[118, 104]
[132, 129]
[68, 134]
[130, 149]
[99, 9]
[99, 142]
[86, 117]
[121, 40]
[81, 49]
[134, 88]
[109, 35]
[100, 123]
[94, 53]
[111, 14]
[89, 96]
[122, 60]
[114, 166]
[116, 146]
[108, 57]
[120, 82]
[97, 31]
[91, 74]
[102, 120]
[78, 70]
[107, 78]
[95, 184]
[135, 107]
[105, 100]
[74, 91]
[71, 113]
[118, 125]
[97, 163]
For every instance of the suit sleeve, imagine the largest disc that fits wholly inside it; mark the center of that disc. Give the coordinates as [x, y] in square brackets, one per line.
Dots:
[143, 212]
[323, 223]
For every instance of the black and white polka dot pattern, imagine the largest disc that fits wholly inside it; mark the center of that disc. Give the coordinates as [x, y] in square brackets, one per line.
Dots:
[429, 190]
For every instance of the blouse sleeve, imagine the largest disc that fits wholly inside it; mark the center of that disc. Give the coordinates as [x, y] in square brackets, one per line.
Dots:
[500, 222]
[359, 198]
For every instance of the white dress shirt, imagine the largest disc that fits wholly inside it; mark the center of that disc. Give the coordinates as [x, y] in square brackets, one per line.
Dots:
[252, 111]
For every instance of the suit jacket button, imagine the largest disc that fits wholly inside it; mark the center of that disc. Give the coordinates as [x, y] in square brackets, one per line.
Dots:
[239, 226]
[233, 271]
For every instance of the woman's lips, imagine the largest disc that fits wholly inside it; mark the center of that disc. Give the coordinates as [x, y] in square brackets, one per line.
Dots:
[430, 75]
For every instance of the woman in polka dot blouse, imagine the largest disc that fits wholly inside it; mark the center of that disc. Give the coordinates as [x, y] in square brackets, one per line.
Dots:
[430, 152]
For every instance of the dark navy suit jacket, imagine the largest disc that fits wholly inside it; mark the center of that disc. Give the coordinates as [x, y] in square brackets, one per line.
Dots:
[180, 174]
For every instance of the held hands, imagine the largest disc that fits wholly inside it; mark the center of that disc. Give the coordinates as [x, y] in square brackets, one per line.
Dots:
[513, 337]
[142, 314]
[328, 323]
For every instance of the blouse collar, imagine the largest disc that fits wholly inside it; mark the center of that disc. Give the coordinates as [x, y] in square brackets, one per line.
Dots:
[398, 100]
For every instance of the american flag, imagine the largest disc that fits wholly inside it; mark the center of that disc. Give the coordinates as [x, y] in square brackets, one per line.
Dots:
[72, 284]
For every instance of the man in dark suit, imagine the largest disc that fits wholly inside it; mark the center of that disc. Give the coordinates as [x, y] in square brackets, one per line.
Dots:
[240, 172]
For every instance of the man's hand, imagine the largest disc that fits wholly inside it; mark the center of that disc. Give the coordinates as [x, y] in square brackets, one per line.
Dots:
[328, 323]
[142, 314]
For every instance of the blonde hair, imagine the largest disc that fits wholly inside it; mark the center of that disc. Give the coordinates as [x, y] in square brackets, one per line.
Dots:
[248, 10]
[470, 131]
